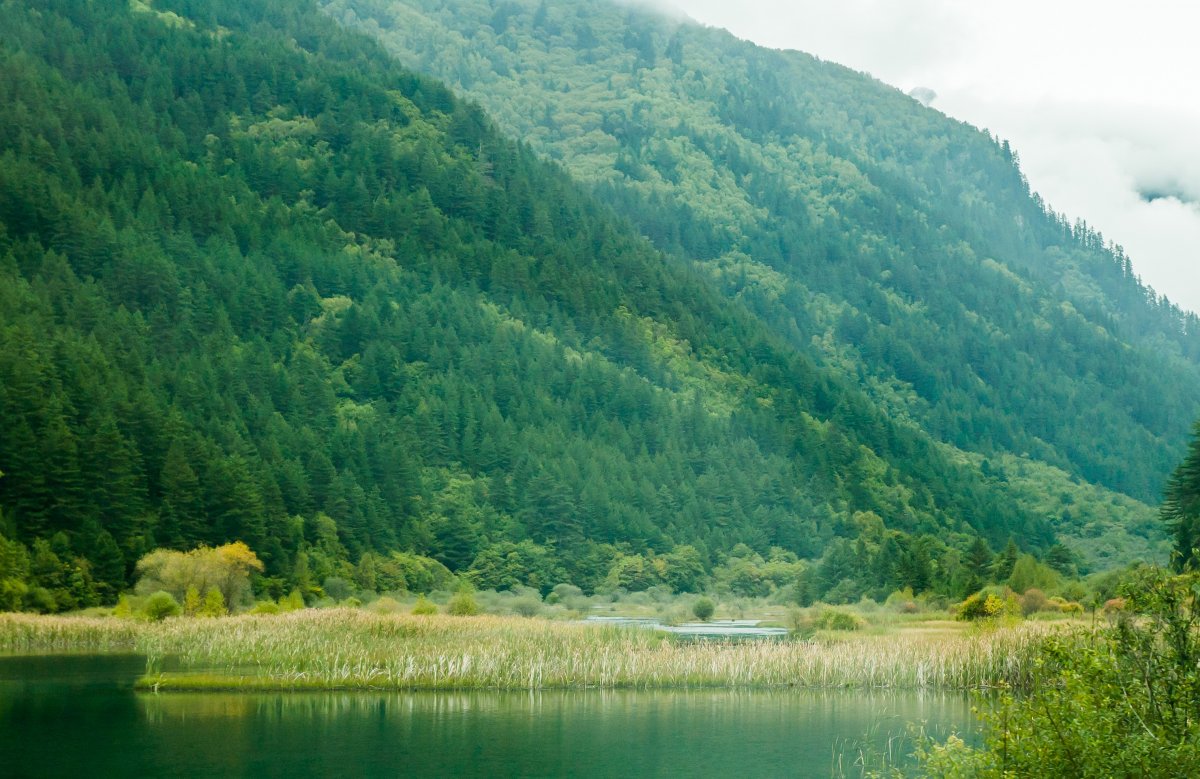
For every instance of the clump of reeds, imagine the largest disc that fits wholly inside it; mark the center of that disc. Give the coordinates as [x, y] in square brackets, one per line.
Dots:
[28, 633]
[343, 648]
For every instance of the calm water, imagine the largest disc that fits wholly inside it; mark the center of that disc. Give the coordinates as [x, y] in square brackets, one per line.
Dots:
[79, 716]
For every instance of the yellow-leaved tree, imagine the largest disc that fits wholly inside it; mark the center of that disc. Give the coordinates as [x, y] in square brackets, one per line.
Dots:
[225, 569]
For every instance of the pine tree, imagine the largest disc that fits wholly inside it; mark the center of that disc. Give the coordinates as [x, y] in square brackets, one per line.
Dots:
[64, 478]
[107, 562]
[116, 485]
[182, 515]
[979, 559]
[1181, 507]
[1005, 561]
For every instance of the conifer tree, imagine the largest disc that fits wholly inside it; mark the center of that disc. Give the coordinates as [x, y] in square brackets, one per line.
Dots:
[1181, 507]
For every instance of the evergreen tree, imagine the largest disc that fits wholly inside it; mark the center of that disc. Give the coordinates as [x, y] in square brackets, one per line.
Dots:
[1002, 566]
[182, 519]
[1181, 507]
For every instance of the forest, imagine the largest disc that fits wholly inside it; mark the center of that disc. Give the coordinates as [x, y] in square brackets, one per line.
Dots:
[902, 250]
[260, 282]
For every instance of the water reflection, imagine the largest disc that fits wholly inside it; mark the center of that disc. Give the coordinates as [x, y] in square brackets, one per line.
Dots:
[64, 721]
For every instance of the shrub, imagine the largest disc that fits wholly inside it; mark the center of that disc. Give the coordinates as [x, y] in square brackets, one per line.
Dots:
[265, 607]
[527, 606]
[703, 608]
[386, 605]
[1033, 601]
[214, 604]
[1116, 701]
[423, 606]
[293, 602]
[800, 622]
[1029, 574]
[160, 605]
[987, 605]
[191, 601]
[903, 602]
[836, 619]
[12, 594]
[41, 600]
[565, 591]
[462, 605]
[337, 588]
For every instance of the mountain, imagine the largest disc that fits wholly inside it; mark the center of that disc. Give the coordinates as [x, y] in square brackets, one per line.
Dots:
[901, 249]
[260, 282]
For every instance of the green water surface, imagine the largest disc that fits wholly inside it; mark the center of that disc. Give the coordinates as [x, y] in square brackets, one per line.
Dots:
[79, 716]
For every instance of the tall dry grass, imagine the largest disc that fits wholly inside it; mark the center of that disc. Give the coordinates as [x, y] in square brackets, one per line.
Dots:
[343, 648]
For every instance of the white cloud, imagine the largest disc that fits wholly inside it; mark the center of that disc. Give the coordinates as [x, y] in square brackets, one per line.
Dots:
[1098, 98]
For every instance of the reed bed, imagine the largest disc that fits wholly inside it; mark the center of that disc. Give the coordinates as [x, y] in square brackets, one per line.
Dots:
[348, 649]
[28, 634]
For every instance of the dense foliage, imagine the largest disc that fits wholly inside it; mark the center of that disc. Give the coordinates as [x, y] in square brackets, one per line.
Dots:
[262, 284]
[900, 248]
[1122, 701]
[259, 283]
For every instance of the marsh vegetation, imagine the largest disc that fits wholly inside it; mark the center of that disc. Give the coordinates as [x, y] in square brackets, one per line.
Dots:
[346, 648]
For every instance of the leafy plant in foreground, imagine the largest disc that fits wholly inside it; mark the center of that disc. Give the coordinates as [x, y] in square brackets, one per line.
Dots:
[1122, 700]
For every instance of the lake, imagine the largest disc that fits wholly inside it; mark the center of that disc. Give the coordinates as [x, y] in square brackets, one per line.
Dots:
[79, 716]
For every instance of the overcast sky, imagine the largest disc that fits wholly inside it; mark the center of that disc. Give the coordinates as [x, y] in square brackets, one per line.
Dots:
[1100, 99]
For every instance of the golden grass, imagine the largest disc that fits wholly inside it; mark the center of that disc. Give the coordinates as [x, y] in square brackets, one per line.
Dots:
[349, 649]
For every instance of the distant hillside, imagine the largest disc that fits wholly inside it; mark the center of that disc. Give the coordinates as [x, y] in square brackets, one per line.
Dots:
[899, 248]
[260, 282]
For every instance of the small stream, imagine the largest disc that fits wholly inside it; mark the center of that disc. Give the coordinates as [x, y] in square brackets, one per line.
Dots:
[721, 629]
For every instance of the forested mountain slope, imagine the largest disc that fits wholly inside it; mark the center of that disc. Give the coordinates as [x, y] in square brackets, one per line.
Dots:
[259, 282]
[884, 240]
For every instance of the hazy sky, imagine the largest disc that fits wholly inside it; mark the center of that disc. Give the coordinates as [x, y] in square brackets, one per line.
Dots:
[1100, 99]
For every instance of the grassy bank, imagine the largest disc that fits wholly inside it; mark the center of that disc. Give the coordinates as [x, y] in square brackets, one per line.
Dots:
[347, 649]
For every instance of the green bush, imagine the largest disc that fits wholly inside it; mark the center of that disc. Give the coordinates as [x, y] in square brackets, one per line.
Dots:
[388, 605]
[835, 619]
[160, 605]
[265, 607]
[12, 594]
[903, 601]
[214, 604]
[703, 608]
[337, 588]
[527, 606]
[293, 602]
[423, 606]
[462, 605]
[1120, 700]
